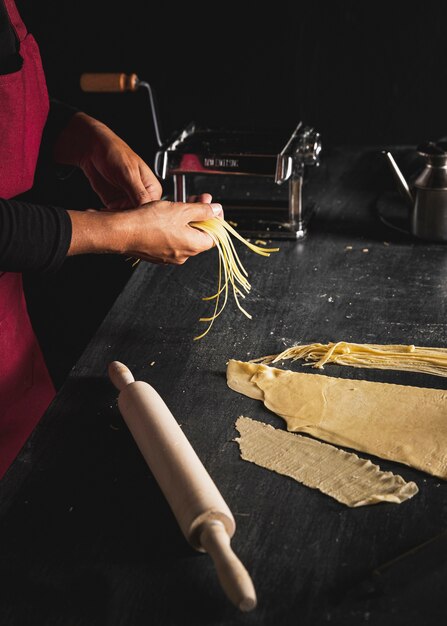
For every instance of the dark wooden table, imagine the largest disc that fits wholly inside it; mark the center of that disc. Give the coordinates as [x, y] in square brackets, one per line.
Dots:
[86, 537]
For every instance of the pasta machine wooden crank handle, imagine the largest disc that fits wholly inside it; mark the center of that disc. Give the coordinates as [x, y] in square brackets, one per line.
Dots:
[200, 510]
[111, 82]
[119, 83]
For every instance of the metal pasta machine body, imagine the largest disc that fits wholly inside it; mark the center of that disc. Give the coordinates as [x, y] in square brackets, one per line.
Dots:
[245, 171]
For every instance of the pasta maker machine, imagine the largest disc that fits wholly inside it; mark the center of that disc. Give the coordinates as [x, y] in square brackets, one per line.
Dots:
[245, 171]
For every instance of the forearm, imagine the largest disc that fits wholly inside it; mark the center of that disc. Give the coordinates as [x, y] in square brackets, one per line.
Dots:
[99, 232]
[159, 232]
[37, 238]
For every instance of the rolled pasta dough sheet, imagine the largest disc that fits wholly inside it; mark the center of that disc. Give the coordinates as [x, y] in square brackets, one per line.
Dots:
[395, 422]
[342, 475]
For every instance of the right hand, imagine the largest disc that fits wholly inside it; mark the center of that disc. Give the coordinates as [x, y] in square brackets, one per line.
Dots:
[160, 231]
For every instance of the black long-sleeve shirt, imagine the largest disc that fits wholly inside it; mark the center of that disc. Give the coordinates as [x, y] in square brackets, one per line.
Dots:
[32, 237]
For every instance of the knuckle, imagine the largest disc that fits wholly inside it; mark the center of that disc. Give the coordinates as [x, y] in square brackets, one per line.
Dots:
[141, 193]
[155, 186]
[178, 257]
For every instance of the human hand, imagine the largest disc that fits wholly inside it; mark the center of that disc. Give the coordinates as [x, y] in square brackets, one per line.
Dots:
[159, 232]
[205, 198]
[163, 234]
[118, 175]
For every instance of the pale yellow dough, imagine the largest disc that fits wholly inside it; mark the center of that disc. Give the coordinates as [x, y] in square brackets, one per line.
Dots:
[336, 473]
[396, 422]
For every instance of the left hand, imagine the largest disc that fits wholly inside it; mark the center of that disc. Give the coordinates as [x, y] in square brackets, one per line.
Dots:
[205, 198]
[118, 175]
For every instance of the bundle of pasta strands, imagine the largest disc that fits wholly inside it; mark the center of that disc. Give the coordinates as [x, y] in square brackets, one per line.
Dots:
[392, 357]
[232, 274]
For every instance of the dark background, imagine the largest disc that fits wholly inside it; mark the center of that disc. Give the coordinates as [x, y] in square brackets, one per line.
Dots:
[359, 72]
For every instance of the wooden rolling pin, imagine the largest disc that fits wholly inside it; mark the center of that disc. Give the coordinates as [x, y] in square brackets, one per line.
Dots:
[201, 512]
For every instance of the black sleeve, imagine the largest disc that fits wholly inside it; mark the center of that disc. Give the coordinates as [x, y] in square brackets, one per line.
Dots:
[32, 237]
[58, 117]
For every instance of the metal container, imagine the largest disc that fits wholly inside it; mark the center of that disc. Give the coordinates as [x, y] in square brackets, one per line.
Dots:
[427, 198]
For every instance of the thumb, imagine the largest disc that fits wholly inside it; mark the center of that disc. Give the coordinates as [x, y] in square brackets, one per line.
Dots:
[201, 212]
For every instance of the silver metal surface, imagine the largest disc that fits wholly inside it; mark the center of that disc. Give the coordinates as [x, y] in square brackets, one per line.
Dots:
[427, 200]
[155, 121]
[248, 155]
[296, 206]
[402, 184]
[179, 188]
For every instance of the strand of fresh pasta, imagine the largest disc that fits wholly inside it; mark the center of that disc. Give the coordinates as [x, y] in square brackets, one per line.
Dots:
[231, 271]
[394, 357]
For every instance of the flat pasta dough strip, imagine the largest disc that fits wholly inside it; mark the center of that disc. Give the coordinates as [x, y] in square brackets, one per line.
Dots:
[342, 475]
[395, 422]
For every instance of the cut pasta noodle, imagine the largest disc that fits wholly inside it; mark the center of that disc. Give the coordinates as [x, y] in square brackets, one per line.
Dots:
[232, 274]
[134, 260]
[392, 357]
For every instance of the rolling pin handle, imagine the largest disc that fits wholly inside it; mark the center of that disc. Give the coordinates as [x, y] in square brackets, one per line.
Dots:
[120, 375]
[233, 576]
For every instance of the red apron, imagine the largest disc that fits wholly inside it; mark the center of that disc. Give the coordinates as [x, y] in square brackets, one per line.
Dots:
[25, 385]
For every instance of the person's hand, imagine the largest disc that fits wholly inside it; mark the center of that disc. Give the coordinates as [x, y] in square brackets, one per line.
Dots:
[159, 232]
[118, 175]
[163, 233]
[205, 198]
